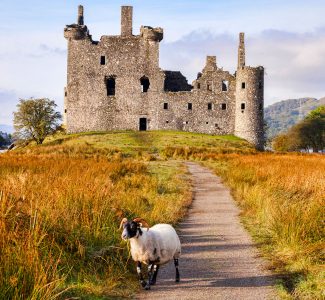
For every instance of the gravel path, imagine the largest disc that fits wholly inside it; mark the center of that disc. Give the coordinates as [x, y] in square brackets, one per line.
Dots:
[218, 258]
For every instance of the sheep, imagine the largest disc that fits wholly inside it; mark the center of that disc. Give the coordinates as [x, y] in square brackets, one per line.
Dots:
[154, 247]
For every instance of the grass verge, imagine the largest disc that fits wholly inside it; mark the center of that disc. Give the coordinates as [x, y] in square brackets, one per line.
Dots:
[60, 207]
[282, 199]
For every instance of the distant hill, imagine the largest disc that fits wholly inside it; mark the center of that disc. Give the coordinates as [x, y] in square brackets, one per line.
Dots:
[282, 115]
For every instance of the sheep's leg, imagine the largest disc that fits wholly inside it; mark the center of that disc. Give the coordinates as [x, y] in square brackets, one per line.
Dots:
[150, 275]
[177, 272]
[140, 276]
[155, 273]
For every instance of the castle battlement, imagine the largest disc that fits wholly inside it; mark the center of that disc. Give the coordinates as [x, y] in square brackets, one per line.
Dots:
[116, 83]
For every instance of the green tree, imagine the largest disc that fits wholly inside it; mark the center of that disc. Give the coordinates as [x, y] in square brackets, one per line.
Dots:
[312, 129]
[35, 119]
[307, 134]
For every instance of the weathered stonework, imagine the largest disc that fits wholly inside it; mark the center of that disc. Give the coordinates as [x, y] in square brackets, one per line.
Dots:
[116, 83]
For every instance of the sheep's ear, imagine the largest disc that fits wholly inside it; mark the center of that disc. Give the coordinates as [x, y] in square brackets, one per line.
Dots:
[124, 220]
[142, 222]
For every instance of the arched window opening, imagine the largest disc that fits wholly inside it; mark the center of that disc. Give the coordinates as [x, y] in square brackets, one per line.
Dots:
[110, 86]
[145, 83]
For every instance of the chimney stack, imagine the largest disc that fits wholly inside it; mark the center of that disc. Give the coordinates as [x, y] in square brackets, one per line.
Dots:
[211, 64]
[80, 15]
[126, 20]
[241, 51]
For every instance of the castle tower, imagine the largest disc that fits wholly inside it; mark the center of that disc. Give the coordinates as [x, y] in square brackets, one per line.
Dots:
[77, 31]
[249, 116]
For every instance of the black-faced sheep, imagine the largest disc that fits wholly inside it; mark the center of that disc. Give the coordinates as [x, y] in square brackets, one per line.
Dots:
[153, 246]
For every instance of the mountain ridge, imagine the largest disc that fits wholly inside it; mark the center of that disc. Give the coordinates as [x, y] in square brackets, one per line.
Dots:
[282, 115]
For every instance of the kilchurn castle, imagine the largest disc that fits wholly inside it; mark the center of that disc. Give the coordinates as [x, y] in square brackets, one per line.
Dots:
[116, 83]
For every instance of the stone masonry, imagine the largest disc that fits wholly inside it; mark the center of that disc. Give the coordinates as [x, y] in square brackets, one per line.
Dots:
[116, 84]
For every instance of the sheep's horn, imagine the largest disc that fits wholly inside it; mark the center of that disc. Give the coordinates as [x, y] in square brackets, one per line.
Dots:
[124, 220]
[143, 222]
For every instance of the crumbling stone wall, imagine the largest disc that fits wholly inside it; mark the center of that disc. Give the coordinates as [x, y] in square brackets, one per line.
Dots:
[147, 98]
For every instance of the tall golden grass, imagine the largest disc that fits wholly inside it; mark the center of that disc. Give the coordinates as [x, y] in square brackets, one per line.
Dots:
[59, 215]
[61, 204]
[283, 204]
[283, 201]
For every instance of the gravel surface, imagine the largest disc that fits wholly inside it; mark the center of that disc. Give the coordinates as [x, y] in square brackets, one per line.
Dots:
[219, 260]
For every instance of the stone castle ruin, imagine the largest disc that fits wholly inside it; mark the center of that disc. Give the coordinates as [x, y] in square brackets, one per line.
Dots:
[116, 84]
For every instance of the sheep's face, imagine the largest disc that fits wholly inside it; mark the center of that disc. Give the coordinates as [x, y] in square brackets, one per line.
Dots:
[130, 230]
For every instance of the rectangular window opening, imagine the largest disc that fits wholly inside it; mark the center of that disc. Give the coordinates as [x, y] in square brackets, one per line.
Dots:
[198, 86]
[225, 85]
[110, 86]
[102, 60]
[242, 106]
[243, 85]
[207, 123]
[145, 84]
[209, 106]
[165, 105]
[209, 87]
[189, 106]
[223, 106]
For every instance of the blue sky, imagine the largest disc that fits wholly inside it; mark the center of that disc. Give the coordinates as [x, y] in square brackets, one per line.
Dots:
[287, 37]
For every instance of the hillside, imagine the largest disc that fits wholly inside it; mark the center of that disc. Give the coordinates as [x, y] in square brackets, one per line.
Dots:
[282, 115]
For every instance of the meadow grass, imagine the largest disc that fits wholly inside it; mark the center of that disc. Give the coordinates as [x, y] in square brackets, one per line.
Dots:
[282, 200]
[59, 216]
[62, 201]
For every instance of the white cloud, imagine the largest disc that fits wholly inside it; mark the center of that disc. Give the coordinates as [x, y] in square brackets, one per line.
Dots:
[294, 62]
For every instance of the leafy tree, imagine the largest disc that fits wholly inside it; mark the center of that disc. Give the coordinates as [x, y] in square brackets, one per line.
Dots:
[307, 134]
[312, 129]
[35, 119]
[280, 143]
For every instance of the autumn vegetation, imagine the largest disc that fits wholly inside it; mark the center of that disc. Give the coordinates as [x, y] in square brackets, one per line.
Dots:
[59, 216]
[61, 203]
[308, 134]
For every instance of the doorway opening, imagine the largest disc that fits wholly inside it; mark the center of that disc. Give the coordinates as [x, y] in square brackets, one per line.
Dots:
[143, 124]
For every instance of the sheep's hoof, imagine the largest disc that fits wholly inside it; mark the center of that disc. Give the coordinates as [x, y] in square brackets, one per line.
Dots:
[177, 280]
[147, 287]
[143, 283]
